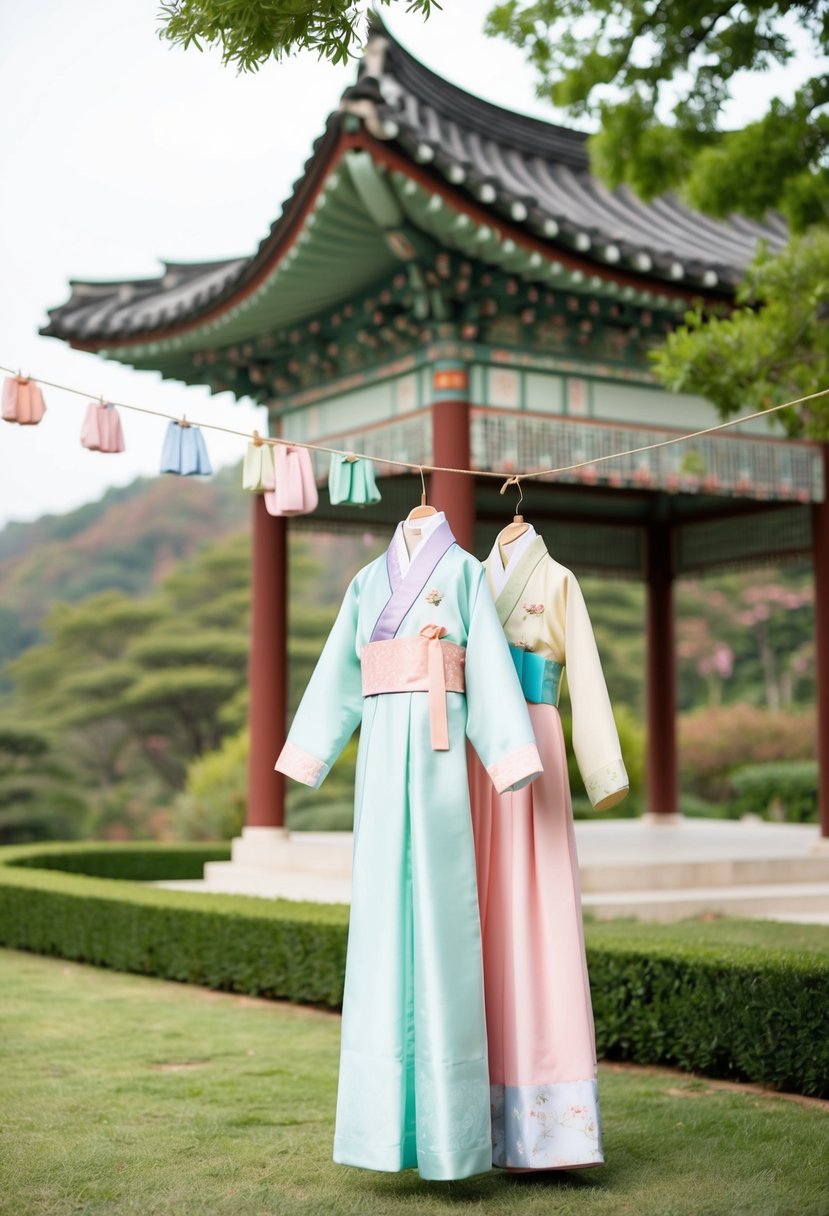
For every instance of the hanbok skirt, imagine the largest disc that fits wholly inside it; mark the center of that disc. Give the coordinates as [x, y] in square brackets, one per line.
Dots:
[542, 1051]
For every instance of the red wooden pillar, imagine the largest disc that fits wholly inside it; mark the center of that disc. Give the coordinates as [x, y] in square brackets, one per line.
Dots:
[820, 553]
[267, 667]
[451, 492]
[662, 780]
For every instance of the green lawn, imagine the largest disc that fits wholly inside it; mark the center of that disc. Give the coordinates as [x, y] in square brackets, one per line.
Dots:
[717, 931]
[129, 1095]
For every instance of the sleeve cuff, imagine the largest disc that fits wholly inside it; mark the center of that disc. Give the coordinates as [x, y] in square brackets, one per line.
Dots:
[296, 763]
[607, 785]
[516, 770]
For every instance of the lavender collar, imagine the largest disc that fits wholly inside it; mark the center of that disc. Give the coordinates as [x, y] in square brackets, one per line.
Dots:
[405, 588]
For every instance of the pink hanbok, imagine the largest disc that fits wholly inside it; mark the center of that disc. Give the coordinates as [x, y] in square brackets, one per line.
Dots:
[542, 1054]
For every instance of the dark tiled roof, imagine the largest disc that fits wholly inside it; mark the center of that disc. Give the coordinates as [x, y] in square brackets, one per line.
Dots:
[100, 312]
[533, 174]
[538, 173]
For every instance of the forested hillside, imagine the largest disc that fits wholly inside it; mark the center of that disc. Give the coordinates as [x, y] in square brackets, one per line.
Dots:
[127, 541]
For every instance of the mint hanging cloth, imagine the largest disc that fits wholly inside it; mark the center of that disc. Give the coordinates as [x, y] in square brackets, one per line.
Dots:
[296, 487]
[22, 401]
[102, 430]
[184, 451]
[257, 467]
[351, 481]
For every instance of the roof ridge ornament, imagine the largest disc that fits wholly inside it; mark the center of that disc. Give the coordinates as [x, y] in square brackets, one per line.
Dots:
[358, 100]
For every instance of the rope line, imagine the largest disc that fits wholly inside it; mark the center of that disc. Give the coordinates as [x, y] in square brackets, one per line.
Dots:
[414, 466]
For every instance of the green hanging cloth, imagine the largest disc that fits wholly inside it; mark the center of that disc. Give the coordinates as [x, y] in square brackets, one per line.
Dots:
[351, 482]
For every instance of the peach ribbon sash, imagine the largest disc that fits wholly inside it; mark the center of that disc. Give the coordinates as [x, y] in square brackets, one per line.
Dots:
[417, 664]
[438, 722]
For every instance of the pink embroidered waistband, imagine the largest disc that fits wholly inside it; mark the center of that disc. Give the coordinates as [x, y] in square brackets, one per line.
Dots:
[419, 664]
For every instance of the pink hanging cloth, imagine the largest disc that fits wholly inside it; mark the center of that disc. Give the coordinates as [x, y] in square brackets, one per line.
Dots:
[102, 430]
[22, 401]
[296, 487]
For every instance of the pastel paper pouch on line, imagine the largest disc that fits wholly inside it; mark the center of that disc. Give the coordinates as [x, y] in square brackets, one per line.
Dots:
[91, 429]
[296, 489]
[10, 399]
[363, 484]
[251, 468]
[288, 480]
[101, 430]
[171, 449]
[340, 472]
[189, 452]
[257, 470]
[22, 401]
[111, 431]
[30, 406]
[202, 460]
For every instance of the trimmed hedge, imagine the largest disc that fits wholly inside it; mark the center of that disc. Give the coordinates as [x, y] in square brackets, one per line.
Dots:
[787, 789]
[144, 862]
[273, 948]
[742, 1013]
[739, 1012]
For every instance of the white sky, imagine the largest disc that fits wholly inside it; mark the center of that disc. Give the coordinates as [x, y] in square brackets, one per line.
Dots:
[118, 150]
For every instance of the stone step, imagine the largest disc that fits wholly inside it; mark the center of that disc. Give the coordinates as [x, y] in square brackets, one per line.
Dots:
[771, 900]
[703, 872]
[225, 878]
[323, 853]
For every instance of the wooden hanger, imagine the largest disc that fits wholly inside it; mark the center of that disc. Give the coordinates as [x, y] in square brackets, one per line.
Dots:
[424, 509]
[518, 527]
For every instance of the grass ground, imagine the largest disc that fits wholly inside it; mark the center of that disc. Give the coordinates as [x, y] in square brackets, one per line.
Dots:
[125, 1096]
[717, 931]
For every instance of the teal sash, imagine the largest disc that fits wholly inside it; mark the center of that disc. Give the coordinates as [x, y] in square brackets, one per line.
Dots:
[540, 678]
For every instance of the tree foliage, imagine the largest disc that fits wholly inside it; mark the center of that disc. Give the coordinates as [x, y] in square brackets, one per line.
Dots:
[249, 32]
[773, 347]
[143, 694]
[37, 797]
[658, 77]
[621, 62]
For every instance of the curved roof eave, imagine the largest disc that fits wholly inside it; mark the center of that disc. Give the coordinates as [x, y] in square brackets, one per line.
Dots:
[527, 179]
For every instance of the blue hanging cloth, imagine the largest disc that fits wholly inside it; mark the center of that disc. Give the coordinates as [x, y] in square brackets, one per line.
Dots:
[184, 451]
[351, 482]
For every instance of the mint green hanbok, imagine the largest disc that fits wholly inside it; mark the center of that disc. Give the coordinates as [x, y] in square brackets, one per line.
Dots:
[417, 656]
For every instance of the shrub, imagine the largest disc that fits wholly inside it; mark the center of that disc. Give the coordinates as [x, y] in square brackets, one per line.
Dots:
[273, 948]
[145, 862]
[784, 791]
[740, 1013]
[213, 803]
[714, 741]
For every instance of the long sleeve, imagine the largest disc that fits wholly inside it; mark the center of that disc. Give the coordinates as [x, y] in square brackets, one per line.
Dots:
[498, 725]
[332, 705]
[595, 738]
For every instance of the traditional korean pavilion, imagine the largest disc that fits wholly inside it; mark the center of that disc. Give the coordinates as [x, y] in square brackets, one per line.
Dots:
[448, 284]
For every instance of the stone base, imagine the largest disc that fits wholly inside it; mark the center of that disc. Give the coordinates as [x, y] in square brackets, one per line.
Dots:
[660, 818]
[276, 863]
[261, 848]
[628, 868]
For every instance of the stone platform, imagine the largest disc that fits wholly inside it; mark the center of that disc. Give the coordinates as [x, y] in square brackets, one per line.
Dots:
[629, 868]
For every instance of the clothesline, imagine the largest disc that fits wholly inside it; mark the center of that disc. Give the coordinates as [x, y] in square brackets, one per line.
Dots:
[414, 466]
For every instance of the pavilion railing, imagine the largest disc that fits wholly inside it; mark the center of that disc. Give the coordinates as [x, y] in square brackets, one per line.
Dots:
[747, 467]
